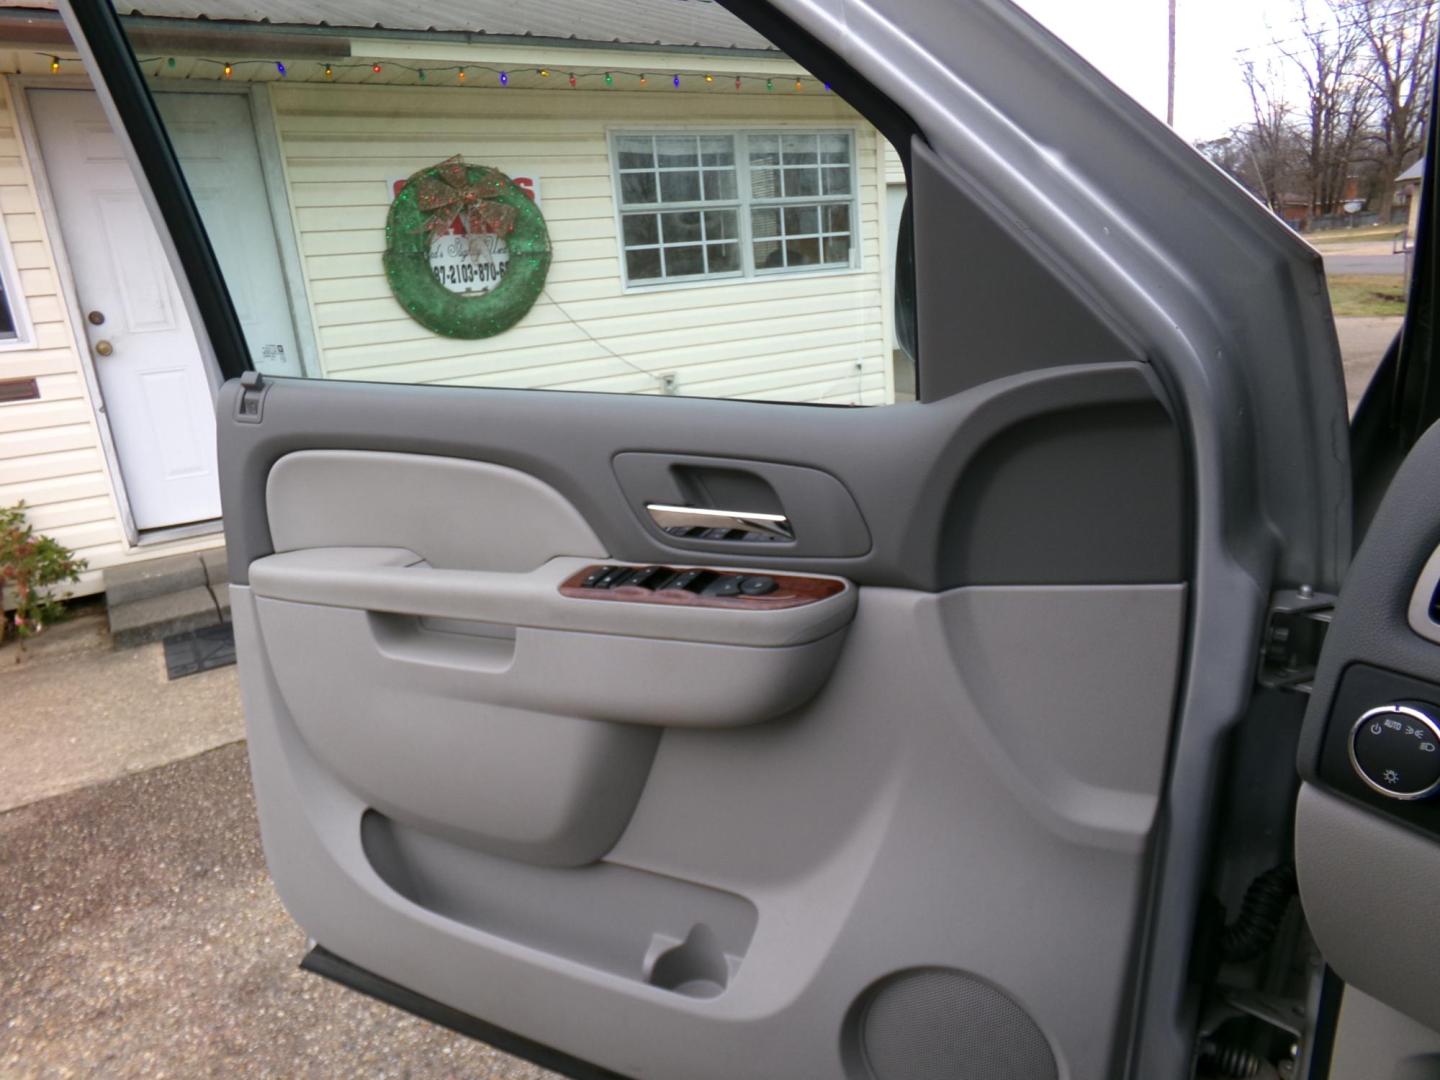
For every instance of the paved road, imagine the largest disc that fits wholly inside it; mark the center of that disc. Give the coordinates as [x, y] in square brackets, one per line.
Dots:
[1363, 342]
[140, 937]
[1346, 263]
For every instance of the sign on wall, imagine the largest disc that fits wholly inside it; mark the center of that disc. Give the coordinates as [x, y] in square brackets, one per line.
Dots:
[472, 263]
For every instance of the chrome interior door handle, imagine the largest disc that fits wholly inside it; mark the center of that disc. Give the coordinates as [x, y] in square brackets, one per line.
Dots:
[776, 526]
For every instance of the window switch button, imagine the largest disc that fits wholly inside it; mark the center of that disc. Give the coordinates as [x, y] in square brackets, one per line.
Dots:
[757, 585]
[648, 577]
[592, 578]
[725, 585]
[616, 575]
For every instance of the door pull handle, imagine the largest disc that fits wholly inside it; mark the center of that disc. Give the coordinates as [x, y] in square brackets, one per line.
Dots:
[775, 526]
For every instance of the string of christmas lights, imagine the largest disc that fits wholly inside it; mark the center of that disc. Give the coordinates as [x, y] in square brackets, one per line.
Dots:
[226, 70]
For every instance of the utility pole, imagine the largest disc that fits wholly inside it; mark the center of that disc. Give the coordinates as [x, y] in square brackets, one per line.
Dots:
[1170, 95]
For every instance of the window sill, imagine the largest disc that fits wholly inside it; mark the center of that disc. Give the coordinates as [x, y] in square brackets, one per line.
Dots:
[766, 277]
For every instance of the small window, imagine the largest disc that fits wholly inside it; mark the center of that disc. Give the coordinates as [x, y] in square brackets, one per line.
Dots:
[14, 326]
[734, 204]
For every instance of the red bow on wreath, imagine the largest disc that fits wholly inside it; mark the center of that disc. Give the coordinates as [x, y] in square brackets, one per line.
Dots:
[446, 194]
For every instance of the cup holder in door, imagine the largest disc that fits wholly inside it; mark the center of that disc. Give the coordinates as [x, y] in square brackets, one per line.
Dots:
[696, 967]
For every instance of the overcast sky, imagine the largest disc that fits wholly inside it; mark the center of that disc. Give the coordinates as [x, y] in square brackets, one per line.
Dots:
[1126, 39]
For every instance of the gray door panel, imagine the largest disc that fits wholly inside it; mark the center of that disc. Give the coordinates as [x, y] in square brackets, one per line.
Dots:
[744, 833]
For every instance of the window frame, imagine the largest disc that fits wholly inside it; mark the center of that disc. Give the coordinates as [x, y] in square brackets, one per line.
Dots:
[744, 204]
[14, 298]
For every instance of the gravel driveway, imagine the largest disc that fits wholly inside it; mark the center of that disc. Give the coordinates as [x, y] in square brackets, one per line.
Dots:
[140, 937]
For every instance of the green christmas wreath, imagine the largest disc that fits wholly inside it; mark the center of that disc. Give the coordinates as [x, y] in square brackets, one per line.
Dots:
[486, 201]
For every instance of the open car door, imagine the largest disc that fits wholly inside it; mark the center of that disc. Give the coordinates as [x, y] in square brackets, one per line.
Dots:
[648, 733]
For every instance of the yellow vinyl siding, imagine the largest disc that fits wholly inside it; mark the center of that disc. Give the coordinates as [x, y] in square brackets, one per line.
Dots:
[803, 336]
[894, 168]
[51, 453]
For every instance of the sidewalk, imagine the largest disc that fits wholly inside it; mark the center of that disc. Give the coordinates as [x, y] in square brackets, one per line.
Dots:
[73, 712]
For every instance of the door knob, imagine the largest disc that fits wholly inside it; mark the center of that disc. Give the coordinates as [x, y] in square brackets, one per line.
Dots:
[96, 317]
[104, 348]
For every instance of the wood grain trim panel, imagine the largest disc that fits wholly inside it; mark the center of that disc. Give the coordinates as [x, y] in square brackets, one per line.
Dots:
[790, 592]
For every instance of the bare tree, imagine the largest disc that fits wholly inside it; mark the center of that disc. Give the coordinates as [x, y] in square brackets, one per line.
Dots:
[1329, 55]
[1268, 142]
[1399, 40]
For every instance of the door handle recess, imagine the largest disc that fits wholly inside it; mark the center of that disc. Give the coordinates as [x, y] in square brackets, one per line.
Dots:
[670, 517]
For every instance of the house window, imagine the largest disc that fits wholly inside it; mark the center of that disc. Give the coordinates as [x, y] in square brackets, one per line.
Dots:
[14, 325]
[731, 205]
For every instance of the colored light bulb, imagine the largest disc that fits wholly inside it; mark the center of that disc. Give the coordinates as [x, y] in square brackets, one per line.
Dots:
[329, 72]
[676, 81]
[737, 82]
[280, 67]
[572, 82]
[769, 84]
[376, 68]
[421, 74]
[229, 70]
[799, 85]
[54, 65]
[504, 78]
[170, 63]
[644, 80]
[609, 79]
[460, 75]
[544, 73]
[709, 78]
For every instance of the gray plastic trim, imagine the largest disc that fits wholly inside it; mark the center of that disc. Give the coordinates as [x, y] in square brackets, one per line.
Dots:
[899, 463]
[1418, 613]
[1368, 885]
[398, 581]
[1374, 1042]
[342, 661]
[463, 515]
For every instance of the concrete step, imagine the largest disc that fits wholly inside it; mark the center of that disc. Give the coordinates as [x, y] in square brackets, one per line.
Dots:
[140, 622]
[154, 577]
[152, 600]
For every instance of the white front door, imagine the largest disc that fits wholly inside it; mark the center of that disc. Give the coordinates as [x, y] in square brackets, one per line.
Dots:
[157, 395]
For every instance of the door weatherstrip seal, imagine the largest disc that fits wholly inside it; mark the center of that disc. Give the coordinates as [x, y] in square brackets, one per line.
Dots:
[321, 961]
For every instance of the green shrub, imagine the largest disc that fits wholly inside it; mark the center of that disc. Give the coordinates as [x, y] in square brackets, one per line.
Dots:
[29, 565]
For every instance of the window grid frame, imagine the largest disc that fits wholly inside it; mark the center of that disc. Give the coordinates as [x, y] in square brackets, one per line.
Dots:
[744, 204]
[17, 303]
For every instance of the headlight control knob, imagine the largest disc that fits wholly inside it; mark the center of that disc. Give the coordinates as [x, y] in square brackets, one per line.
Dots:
[1395, 750]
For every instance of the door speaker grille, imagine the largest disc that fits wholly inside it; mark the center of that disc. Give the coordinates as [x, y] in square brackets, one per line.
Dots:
[938, 1024]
